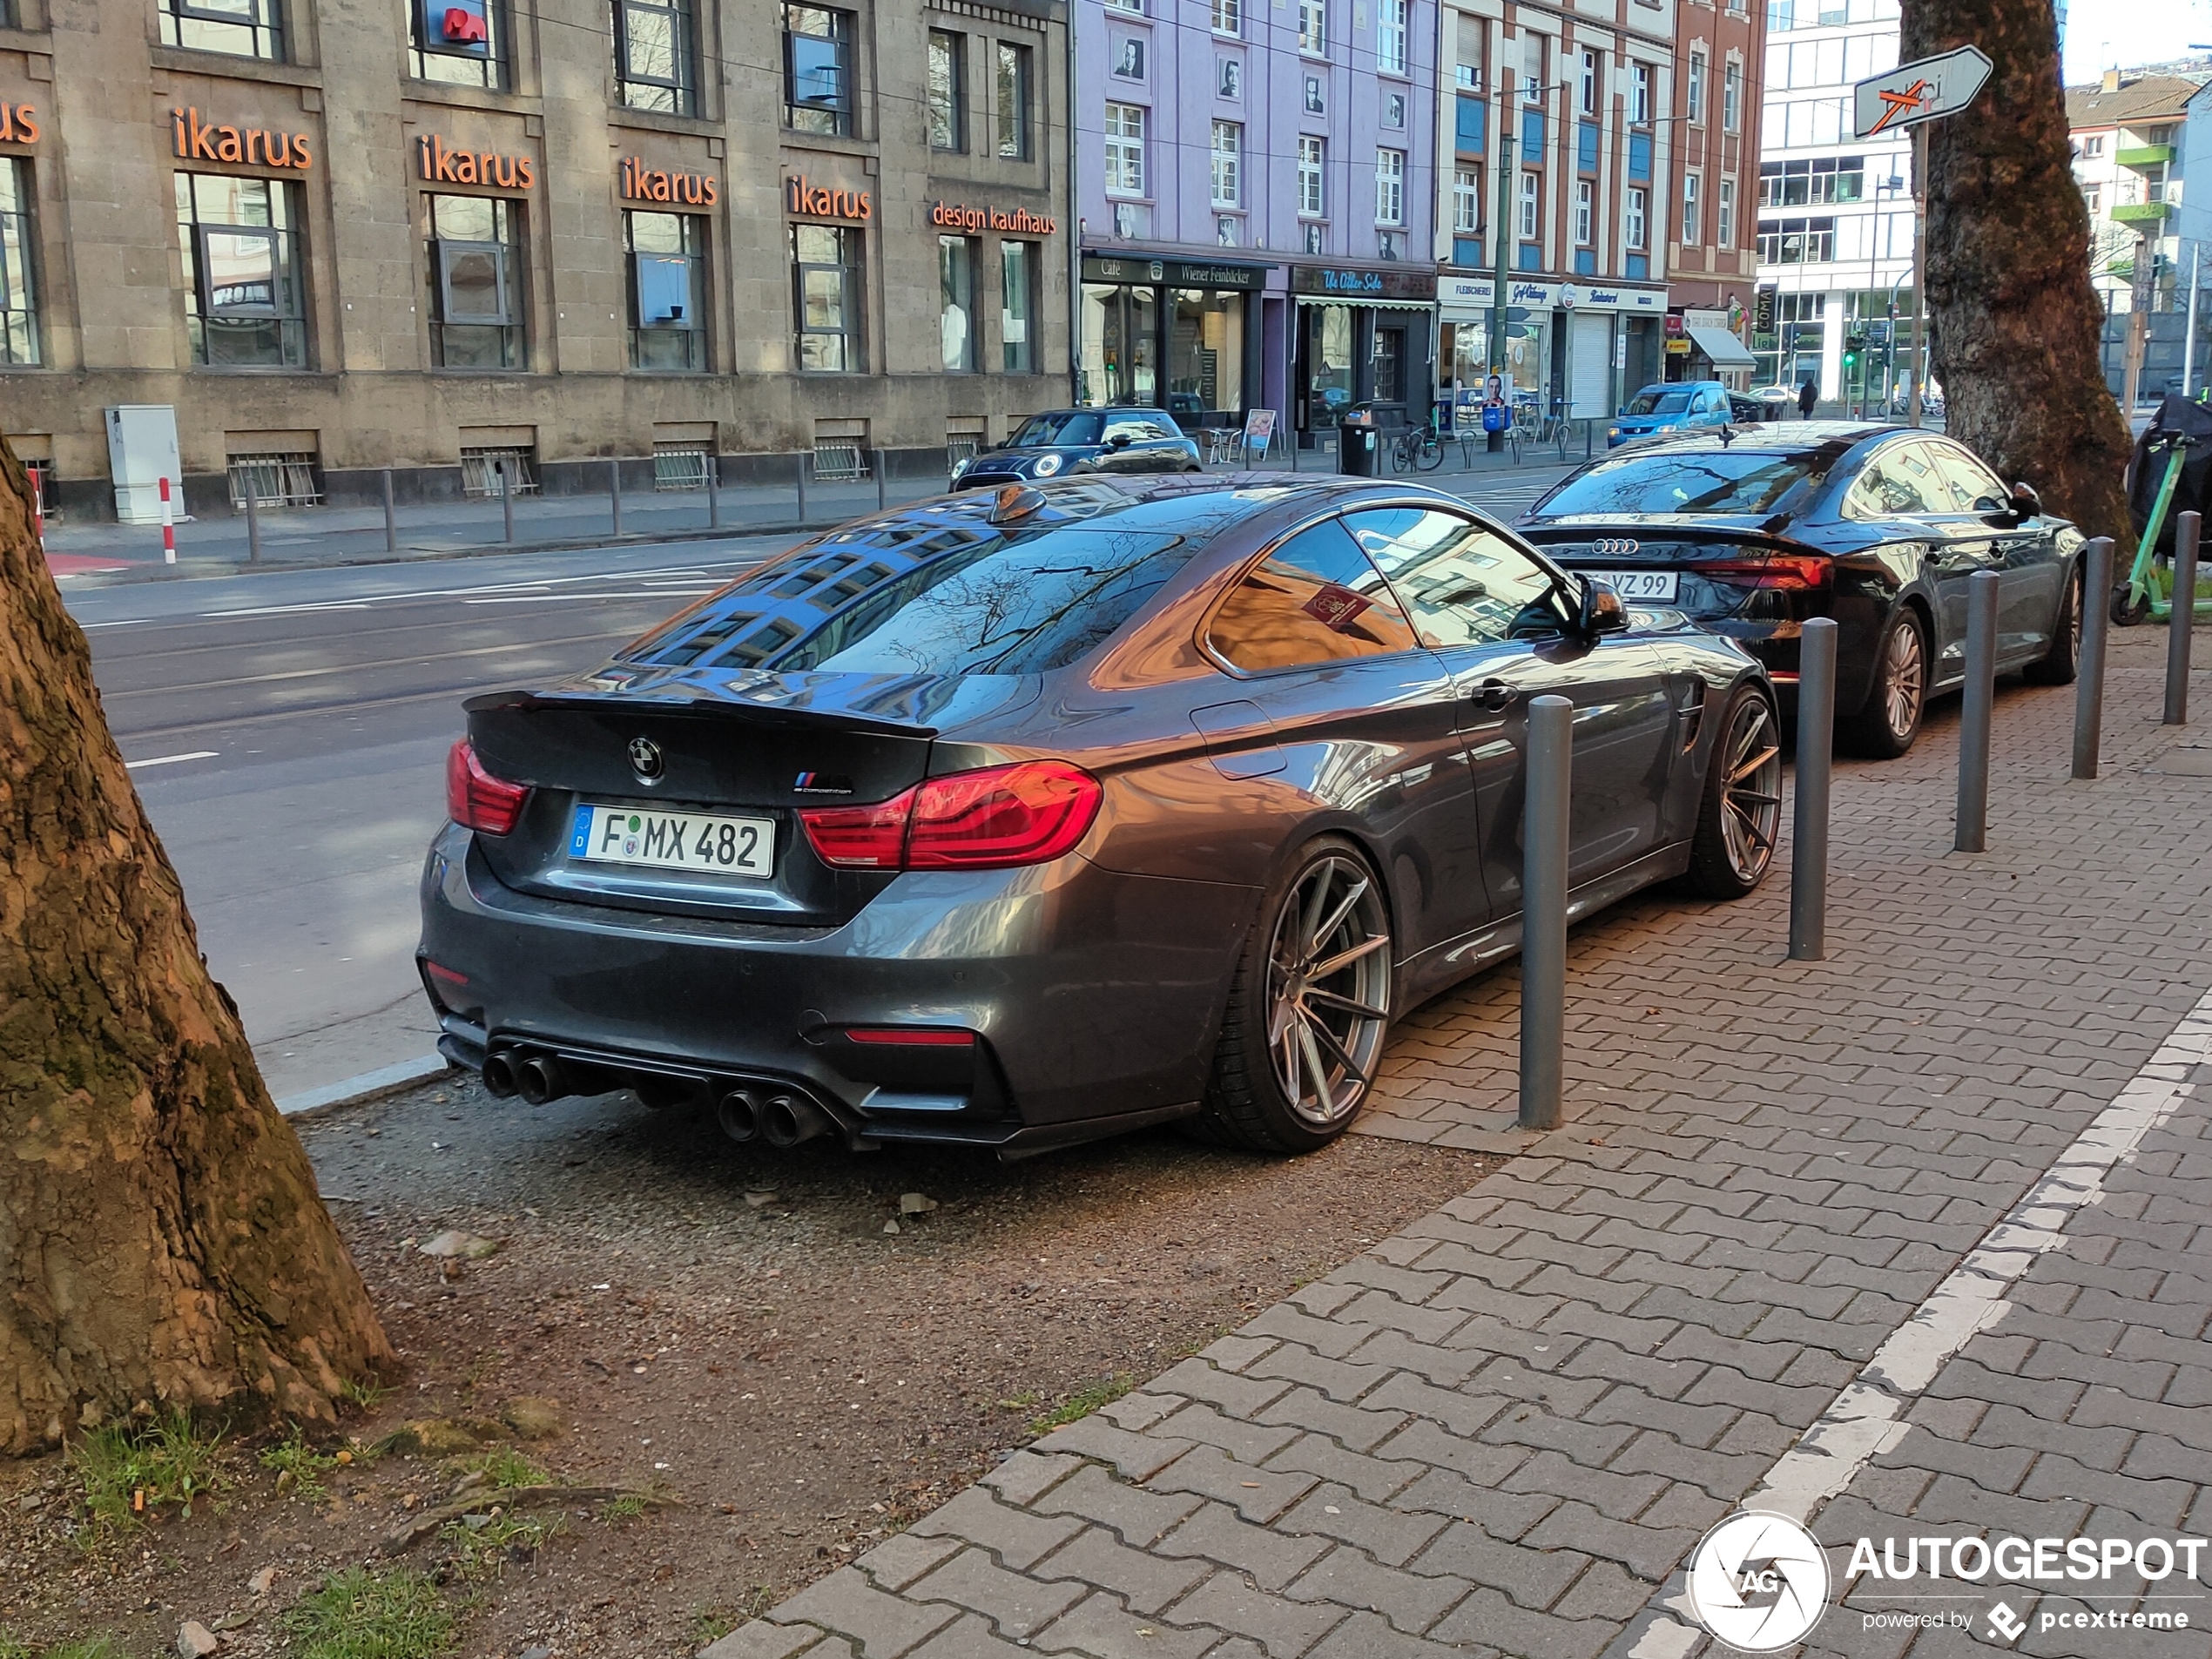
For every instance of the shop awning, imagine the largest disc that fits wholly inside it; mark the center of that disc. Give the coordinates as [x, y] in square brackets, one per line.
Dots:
[1725, 350]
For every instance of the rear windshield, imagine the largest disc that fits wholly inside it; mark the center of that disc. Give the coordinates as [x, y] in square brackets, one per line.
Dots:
[1719, 481]
[1658, 403]
[1068, 426]
[963, 599]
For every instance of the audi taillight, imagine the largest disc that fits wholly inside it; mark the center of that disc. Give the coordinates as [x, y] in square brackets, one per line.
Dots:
[476, 799]
[990, 818]
[1791, 571]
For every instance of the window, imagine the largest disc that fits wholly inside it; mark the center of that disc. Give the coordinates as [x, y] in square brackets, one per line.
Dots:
[1971, 486]
[1585, 83]
[1796, 241]
[240, 28]
[654, 54]
[1724, 216]
[1584, 209]
[1689, 216]
[1019, 265]
[1013, 102]
[2092, 196]
[1314, 27]
[956, 303]
[1129, 59]
[2094, 145]
[245, 305]
[1465, 585]
[1315, 599]
[1467, 201]
[1390, 36]
[474, 249]
[826, 300]
[1228, 163]
[1228, 77]
[1744, 480]
[1531, 199]
[1228, 16]
[1390, 186]
[1312, 167]
[18, 296]
[1632, 219]
[1124, 149]
[1825, 179]
[818, 70]
[462, 44]
[1731, 96]
[1899, 480]
[1532, 64]
[1227, 232]
[1639, 95]
[948, 91]
[1697, 94]
[667, 290]
[1134, 8]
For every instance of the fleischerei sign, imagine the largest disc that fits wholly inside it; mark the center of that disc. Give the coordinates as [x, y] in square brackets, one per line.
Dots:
[1759, 1582]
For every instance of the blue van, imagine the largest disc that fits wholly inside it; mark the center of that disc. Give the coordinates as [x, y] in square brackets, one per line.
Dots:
[1671, 406]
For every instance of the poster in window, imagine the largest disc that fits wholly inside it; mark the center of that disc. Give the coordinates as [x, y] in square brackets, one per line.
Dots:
[457, 27]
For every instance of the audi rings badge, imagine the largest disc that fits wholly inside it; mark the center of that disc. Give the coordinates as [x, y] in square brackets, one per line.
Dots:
[1614, 547]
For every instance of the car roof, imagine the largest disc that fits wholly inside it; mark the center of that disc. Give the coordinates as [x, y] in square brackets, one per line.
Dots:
[1101, 409]
[1779, 436]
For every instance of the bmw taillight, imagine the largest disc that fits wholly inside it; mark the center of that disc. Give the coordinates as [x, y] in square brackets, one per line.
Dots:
[990, 818]
[476, 799]
[1788, 571]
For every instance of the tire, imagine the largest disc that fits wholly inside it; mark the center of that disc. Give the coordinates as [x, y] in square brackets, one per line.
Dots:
[1430, 456]
[2127, 611]
[1739, 811]
[1290, 1044]
[1898, 699]
[2062, 663]
[1400, 459]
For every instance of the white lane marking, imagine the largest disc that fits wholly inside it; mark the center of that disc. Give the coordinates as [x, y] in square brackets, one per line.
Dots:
[171, 760]
[715, 575]
[128, 622]
[1866, 1418]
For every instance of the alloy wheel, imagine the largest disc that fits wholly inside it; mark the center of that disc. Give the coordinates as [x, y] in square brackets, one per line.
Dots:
[1328, 989]
[1904, 679]
[1750, 759]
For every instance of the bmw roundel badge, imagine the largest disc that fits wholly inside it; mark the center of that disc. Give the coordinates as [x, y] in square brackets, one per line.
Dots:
[645, 760]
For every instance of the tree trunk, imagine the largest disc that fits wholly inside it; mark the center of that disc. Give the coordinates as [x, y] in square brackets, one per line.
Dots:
[2016, 323]
[161, 1243]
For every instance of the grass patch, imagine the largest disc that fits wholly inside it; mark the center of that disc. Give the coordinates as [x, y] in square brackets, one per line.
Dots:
[298, 1466]
[128, 1475]
[482, 1545]
[368, 1395]
[627, 1507]
[1084, 1403]
[504, 1466]
[1019, 1402]
[83, 1648]
[360, 1614]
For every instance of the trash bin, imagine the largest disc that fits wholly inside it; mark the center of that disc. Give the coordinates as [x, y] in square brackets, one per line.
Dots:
[1357, 445]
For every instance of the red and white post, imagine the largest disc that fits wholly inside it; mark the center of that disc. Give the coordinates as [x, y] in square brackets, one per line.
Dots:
[168, 526]
[38, 506]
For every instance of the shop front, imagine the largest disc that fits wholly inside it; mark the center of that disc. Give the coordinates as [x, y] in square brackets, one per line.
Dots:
[1361, 337]
[1173, 334]
[1463, 307]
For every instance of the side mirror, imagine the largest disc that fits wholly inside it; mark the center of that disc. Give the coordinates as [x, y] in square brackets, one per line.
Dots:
[2026, 501]
[1601, 611]
[1118, 441]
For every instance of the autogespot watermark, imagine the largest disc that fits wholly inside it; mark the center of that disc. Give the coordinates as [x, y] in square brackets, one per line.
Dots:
[1759, 1582]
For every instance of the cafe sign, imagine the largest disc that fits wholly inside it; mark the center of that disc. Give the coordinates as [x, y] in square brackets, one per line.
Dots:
[1021, 222]
[1175, 274]
[198, 140]
[1335, 283]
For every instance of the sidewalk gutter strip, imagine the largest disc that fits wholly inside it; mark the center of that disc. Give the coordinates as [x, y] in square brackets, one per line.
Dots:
[370, 1085]
[1866, 1418]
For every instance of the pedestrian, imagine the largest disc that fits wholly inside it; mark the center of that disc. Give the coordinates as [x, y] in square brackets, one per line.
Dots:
[1808, 394]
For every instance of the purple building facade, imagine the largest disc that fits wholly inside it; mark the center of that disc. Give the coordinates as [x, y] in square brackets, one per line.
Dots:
[1255, 194]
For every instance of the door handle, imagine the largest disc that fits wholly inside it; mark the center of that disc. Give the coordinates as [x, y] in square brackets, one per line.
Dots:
[1495, 695]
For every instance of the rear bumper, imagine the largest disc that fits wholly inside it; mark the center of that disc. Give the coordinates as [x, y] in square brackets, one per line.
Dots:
[1095, 997]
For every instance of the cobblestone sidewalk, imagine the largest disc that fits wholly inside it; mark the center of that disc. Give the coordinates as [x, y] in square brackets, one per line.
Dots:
[1502, 1430]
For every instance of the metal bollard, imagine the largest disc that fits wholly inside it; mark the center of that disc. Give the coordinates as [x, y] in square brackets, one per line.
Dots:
[506, 499]
[801, 459]
[614, 492]
[2187, 529]
[253, 522]
[713, 491]
[391, 520]
[1543, 910]
[1294, 448]
[1816, 766]
[2090, 685]
[1974, 717]
[878, 480]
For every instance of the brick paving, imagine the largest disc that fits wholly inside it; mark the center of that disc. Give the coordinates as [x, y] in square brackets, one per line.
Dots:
[1501, 1430]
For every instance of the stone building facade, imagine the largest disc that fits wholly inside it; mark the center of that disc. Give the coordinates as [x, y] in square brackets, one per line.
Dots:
[419, 234]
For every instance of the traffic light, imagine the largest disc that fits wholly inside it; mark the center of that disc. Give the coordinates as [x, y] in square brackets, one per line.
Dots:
[1854, 347]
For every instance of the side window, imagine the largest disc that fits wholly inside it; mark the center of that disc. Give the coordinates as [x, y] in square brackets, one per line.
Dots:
[1972, 486]
[1126, 427]
[1465, 585]
[1314, 599]
[1899, 480]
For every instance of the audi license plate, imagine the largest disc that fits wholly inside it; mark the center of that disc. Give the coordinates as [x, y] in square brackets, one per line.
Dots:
[1639, 584]
[708, 841]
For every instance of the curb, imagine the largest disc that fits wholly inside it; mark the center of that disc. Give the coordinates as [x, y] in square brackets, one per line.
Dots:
[370, 1085]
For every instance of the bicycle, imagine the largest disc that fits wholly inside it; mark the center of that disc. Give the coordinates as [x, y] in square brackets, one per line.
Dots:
[1418, 449]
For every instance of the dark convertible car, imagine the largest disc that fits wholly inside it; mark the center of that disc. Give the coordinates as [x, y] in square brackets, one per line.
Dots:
[1753, 532]
[1062, 442]
[1018, 819]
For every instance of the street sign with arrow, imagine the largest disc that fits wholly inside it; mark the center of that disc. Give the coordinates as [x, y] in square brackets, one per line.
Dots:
[1912, 93]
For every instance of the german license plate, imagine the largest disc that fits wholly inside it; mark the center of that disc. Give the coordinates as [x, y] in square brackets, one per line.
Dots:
[1640, 584]
[713, 842]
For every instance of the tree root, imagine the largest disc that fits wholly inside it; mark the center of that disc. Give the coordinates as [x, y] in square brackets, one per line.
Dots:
[402, 1539]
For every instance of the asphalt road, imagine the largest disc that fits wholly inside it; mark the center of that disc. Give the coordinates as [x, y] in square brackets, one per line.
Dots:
[287, 732]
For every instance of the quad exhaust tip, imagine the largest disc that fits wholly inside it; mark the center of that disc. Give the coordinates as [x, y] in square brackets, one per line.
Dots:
[541, 1078]
[499, 1075]
[788, 1119]
[740, 1115]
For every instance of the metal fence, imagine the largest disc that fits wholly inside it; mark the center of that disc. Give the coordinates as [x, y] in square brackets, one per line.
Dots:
[960, 449]
[478, 478]
[838, 461]
[679, 466]
[286, 480]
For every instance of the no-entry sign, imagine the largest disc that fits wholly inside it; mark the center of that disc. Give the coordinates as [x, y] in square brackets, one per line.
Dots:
[1912, 93]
